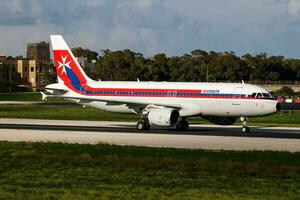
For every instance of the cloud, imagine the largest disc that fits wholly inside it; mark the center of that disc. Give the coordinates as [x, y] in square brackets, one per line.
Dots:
[14, 38]
[142, 3]
[294, 7]
[173, 27]
[17, 12]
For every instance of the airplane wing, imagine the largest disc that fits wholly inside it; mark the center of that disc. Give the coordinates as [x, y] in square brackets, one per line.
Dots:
[120, 102]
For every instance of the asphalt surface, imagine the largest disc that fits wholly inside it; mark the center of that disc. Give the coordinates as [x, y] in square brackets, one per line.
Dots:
[124, 133]
[194, 130]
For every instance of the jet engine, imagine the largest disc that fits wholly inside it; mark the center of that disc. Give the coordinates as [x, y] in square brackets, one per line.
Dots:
[164, 117]
[220, 120]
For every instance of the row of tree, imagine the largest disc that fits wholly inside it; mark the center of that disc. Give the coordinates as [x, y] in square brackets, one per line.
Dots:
[199, 65]
[285, 91]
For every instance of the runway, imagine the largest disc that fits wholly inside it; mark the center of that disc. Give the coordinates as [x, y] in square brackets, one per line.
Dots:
[124, 133]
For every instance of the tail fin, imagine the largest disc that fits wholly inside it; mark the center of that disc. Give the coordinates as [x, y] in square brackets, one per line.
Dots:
[68, 70]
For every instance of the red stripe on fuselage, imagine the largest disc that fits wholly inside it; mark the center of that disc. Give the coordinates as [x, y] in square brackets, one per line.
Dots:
[170, 93]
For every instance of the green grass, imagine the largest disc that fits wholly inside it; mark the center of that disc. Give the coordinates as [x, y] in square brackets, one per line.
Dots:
[80, 113]
[62, 112]
[26, 96]
[73, 171]
[278, 119]
[21, 96]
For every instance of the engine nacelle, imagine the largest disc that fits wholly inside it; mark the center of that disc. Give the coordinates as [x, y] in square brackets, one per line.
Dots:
[164, 117]
[220, 120]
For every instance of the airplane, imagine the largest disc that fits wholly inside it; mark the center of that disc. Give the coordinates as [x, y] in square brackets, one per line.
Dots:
[165, 104]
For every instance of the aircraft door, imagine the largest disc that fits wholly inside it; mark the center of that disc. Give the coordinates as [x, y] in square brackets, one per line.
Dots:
[237, 96]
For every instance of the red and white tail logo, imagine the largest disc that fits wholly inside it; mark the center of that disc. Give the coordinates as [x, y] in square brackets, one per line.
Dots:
[68, 69]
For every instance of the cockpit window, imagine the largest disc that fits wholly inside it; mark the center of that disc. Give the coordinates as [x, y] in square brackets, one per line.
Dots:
[262, 95]
[259, 95]
[267, 95]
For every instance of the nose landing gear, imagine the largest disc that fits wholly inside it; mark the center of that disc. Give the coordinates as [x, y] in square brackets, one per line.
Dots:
[245, 128]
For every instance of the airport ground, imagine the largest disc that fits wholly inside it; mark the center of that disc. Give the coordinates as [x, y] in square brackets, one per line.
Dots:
[75, 112]
[213, 137]
[51, 170]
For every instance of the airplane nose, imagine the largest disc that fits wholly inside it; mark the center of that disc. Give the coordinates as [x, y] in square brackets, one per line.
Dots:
[278, 107]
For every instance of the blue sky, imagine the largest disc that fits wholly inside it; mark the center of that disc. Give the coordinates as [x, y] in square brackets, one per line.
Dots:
[173, 27]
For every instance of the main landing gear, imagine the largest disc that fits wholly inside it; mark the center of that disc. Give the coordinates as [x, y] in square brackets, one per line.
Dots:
[143, 125]
[182, 125]
[245, 128]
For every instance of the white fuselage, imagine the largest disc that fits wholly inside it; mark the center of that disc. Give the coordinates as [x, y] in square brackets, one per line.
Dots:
[206, 99]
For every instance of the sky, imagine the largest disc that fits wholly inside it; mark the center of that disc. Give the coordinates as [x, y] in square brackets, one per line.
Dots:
[173, 27]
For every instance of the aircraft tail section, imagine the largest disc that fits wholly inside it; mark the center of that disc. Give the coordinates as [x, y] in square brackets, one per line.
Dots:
[68, 70]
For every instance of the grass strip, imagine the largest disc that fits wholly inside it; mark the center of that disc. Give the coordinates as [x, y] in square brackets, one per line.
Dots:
[74, 171]
[21, 96]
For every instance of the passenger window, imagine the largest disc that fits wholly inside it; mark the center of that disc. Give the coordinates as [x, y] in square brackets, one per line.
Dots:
[253, 95]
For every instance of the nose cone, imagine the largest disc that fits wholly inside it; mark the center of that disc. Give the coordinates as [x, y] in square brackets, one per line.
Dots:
[278, 107]
[271, 107]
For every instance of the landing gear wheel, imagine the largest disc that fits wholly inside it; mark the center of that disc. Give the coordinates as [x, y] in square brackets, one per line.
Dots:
[143, 125]
[146, 125]
[245, 129]
[140, 126]
[182, 125]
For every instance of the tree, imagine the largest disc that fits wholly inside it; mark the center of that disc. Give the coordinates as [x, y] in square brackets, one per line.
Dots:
[196, 66]
[160, 70]
[284, 91]
[120, 65]
[50, 75]
[81, 52]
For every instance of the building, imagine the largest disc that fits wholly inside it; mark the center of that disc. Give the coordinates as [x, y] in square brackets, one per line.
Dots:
[4, 76]
[2, 57]
[87, 65]
[25, 71]
[35, 70]
[38, 51]
[83, 61]
[37, 63]
[9, 75]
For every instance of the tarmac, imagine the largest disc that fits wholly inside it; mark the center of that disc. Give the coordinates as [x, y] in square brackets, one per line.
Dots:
[124, 133]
